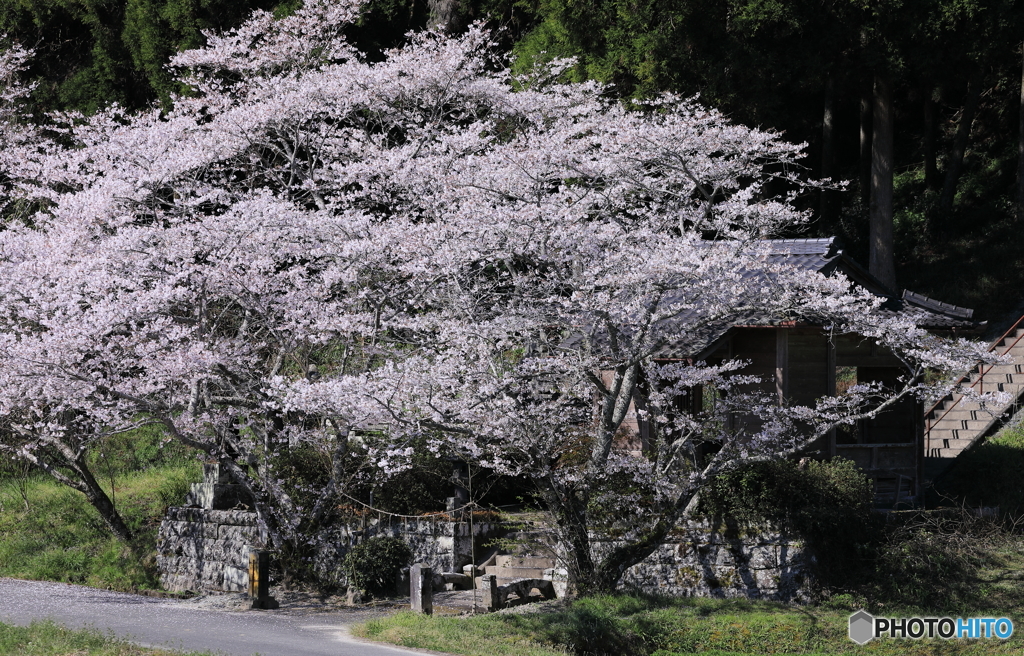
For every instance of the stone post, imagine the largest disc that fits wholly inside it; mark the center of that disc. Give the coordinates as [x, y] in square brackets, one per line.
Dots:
[421, 589]
[489, 583]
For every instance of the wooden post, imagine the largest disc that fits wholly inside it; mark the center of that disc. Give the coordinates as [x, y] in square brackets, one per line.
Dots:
[830, 386]
[259, 581]
[421, 589]
[782, 364]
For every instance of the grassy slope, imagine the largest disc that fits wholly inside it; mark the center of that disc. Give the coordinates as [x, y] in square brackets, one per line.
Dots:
[633, 626]
[48, 639]
[50, 532]
[990, 474]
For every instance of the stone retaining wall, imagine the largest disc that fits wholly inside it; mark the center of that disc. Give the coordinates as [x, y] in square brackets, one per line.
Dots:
[207, 548]
[201, 549]
[439, 543]
[702, 560]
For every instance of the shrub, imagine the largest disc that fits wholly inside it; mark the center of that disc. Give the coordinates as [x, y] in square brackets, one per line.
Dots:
[374, 565]
[931, 559]
[827, 504]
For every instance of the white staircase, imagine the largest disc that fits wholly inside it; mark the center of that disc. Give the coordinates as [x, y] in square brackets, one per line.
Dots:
[956, 422]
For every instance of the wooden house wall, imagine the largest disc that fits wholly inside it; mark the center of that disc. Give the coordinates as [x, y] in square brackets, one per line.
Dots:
[758, 347]
[807, 369]
[797, 365]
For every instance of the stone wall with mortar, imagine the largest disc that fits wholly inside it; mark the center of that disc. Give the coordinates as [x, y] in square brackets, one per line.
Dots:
[705, 560]
[439, 543]
[203, 549]
[207, 548]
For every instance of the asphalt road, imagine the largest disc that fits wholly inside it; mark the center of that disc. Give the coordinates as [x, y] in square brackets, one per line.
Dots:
[172, 624]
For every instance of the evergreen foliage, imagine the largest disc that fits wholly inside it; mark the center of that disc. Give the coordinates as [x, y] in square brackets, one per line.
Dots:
[374, 565]
[92, 54]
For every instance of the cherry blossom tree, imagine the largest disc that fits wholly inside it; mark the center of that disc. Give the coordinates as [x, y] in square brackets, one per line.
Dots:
[311, 243]
[59, 444]
[15, 128]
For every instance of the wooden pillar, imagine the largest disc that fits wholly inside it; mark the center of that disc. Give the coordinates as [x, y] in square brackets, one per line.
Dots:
[730, 354]
[259, 581]
[782, 364]
[919, 449]
[830, 386]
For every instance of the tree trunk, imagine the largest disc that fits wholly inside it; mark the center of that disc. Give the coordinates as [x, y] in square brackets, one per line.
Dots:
[1020, 144]
[71, 462]
[101, 502]
[828, 151]
[865, 143]
[447, 15]
[610, 570]
[881, 259]
[963, 136]
[931, 167]
[570, 513]
[614, 565]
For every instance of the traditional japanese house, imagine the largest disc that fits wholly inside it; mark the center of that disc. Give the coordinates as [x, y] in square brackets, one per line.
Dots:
[799, 362]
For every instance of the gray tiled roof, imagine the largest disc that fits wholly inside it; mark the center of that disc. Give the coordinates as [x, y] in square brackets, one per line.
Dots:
[823, 256]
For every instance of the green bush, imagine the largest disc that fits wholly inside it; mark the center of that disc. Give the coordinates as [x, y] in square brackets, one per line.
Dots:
[931, 559]
[826, 504]
[374, 565]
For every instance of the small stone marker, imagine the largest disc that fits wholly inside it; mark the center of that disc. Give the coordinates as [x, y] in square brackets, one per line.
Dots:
[489, 583]
[259, 581]
[421, 589]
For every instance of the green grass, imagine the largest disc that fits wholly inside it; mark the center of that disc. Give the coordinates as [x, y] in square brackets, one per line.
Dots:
[990, 474]
[50, 532]
[486, 635]
[635, 626]
[49, 639]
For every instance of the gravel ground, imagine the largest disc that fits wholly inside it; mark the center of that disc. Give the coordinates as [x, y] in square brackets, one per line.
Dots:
[297, 603]
[460, 602]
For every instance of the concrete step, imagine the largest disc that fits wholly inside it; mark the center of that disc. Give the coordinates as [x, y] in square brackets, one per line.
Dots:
[945, 433]
[968, 405]
[954, 434]
[1011, 338]
[1003, 369]
[999, 384]
[974, 411]
[959, 414]
[946, 454]
[534, 562]
[516, 572]
[502, 581]
[949, 443]
[953, 423]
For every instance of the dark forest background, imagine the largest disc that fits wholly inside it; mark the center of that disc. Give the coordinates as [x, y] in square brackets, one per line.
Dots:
[940, 78]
